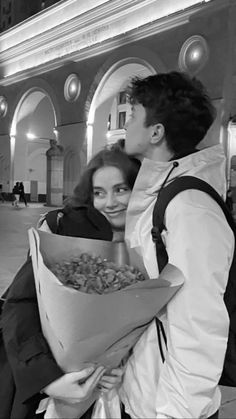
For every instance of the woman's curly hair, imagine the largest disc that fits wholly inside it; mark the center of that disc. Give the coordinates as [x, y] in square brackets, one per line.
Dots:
[178, 102]
[114, 156]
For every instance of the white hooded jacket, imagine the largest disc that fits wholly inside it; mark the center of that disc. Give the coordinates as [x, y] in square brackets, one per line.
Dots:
[201, 244]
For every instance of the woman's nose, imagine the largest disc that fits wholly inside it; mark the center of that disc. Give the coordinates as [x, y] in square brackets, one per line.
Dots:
[111, 200]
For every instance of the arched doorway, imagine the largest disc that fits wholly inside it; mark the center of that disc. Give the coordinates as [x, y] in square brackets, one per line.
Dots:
[107, 91]
[33, 127]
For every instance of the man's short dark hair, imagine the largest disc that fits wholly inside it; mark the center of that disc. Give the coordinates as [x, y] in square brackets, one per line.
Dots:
[177, 101]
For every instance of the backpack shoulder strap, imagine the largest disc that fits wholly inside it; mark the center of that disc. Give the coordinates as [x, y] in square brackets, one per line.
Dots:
[163, 199]
[166, 195]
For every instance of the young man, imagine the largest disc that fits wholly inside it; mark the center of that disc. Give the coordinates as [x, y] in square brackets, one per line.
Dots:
[171, 114]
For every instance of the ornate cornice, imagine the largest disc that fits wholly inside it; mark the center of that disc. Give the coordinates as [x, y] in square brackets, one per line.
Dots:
[75, 31]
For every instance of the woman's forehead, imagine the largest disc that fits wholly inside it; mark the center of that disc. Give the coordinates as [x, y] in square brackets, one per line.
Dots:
[108, 175]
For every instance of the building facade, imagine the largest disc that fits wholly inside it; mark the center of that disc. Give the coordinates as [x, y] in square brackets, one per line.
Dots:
[63, 74]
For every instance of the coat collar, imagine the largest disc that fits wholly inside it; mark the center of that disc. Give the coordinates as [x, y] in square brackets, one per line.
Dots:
[207, 164]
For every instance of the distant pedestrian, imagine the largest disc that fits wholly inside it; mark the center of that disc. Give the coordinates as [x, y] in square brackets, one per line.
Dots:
[1, 194]
[16, 195]
[22, 193]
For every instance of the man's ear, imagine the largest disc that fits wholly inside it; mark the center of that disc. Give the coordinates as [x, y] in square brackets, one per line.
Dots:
[158, 133]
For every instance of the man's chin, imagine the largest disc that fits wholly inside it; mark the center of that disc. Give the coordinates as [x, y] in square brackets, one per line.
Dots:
[132, 153]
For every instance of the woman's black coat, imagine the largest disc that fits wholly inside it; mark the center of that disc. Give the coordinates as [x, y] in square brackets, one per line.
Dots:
[26, 363]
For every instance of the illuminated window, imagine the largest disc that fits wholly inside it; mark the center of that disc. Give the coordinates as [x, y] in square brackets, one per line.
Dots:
[122, 98]
[122, 118]
[109, 122]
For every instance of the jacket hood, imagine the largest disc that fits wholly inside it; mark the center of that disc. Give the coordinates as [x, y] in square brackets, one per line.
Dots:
[207, 164]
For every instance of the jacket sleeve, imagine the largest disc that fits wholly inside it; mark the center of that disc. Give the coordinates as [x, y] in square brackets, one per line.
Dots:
[201, 244]
[31, 361]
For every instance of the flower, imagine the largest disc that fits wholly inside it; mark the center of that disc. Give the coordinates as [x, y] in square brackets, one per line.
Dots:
[95, 275]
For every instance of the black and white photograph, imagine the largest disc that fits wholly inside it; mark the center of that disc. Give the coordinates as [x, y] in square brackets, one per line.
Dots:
[117, 209]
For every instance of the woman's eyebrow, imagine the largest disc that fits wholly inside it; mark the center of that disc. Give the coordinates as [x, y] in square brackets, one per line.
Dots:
[117, 185]
[113, 186]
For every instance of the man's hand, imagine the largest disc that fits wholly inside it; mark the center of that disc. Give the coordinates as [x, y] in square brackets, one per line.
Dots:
[75, 386]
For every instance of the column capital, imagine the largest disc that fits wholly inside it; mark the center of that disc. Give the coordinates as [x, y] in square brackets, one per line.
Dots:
[55, 149]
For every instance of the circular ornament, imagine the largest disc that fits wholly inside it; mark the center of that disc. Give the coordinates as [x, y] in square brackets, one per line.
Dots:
[72, 88]
[193, 55]
[3, 106]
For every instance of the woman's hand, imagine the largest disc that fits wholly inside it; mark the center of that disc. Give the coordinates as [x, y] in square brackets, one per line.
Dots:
[75, 386]
[111, 380]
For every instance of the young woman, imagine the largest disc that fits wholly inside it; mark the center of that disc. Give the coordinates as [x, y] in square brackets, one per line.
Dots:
[96, 210]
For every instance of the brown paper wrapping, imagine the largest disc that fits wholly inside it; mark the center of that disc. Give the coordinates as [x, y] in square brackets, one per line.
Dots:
[89, 328]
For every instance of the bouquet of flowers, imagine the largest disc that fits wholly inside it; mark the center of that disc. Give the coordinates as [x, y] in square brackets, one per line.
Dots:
[95, 298]
[94, 275]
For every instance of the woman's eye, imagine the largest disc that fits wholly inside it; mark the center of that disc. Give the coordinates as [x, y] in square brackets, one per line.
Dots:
[98, 194]
[122, 189]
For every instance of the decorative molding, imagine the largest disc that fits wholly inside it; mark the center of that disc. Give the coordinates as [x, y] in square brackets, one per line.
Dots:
[98, 26]
[72, 88]
[3, 106]
[194, 54]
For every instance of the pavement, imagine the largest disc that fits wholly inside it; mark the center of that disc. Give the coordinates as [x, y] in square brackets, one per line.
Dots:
[14, 225]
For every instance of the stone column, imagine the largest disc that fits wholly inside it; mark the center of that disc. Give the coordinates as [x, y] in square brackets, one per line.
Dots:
[54, 174]
[6, 164]
[72, 138]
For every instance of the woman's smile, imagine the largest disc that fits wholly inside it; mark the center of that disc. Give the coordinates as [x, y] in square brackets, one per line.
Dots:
[114, 213]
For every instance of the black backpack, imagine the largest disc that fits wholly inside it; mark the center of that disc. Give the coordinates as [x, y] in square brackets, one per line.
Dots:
[228, 377]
